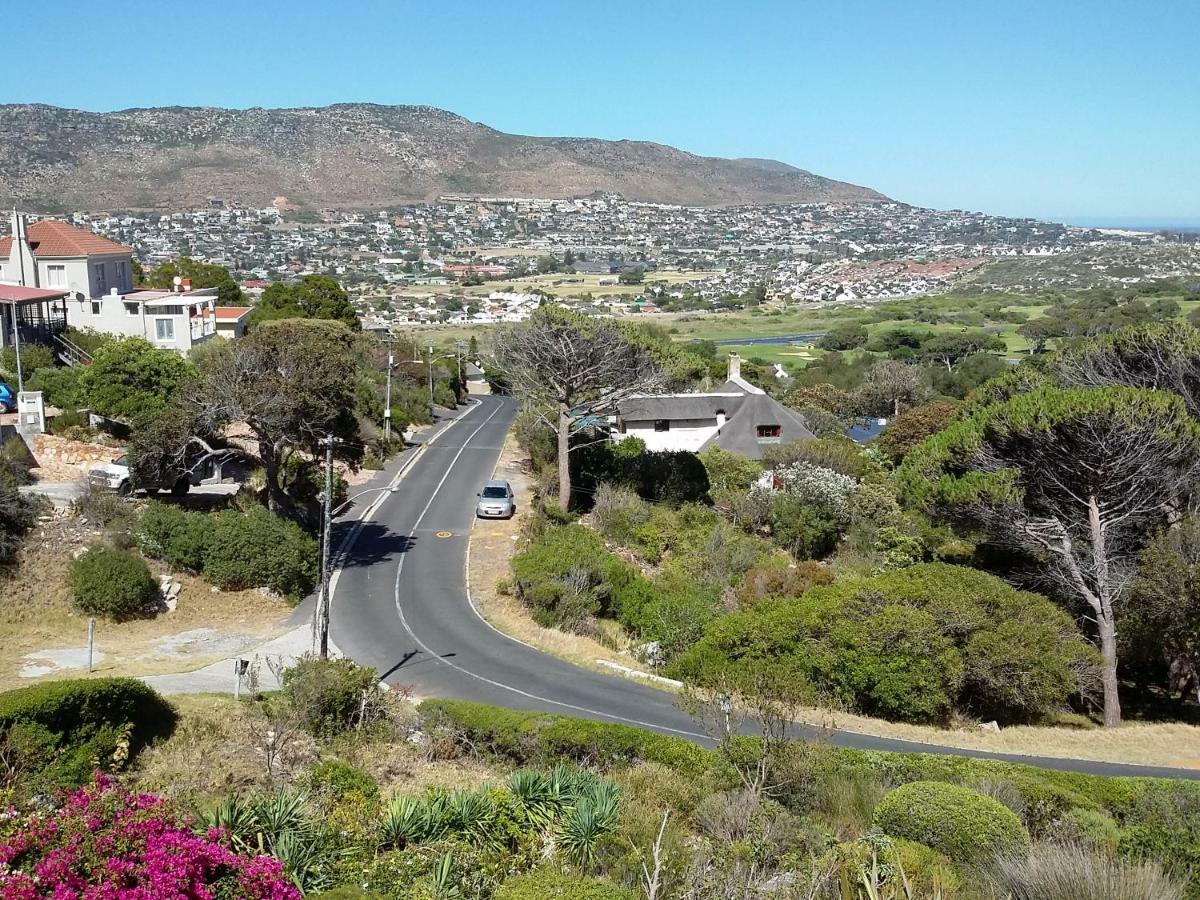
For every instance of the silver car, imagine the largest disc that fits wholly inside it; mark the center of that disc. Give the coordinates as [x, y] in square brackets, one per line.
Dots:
[496, 501]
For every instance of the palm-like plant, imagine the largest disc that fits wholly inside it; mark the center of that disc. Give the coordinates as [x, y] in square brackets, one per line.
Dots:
[593, 816]
[403, 822]
[535, 798]
[473, 815]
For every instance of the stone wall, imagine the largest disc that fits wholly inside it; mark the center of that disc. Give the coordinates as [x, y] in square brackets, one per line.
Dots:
[59, 459]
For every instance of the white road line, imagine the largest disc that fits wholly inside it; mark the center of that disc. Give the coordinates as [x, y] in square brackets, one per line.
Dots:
[499, 684]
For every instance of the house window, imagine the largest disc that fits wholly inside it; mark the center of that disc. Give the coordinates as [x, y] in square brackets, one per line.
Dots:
[95, 307]
[101, 279]
[131, 309]
[662, 424]
[56, 276]
[164, 329]
[121, 282]
[765, 432]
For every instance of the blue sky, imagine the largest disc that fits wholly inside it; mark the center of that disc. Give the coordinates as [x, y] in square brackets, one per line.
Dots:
[1087, 110]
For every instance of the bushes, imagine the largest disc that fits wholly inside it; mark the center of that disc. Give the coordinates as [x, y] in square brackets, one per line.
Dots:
[914, 644]
[176, 536]
[257, 549]
[341, 779]
[233, 550]
[540, 737]
[567, 577]
[105, 841]
[63, 729]
[552, 886]
[328, 694]
[959, 822]
[111, 583]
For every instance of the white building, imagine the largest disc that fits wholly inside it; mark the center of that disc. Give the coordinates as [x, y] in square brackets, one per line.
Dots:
[737, 417]
[95, 277]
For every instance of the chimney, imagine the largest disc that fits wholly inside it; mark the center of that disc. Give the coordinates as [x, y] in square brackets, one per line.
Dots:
[21, 254]
[735, 366]
[185, 285]
[720, 420]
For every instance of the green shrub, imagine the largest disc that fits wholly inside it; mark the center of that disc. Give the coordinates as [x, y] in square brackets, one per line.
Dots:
[257, 549]
[544, 738]
[111, 583]
[957, 821]
[340, 779]
[551, 885]
[327, 694]
[176, 536]
[63, 729]
[913, 644]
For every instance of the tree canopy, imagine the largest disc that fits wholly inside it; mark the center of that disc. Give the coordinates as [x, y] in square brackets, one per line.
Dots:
[1075, 477]
[201, 274]
[313, 297]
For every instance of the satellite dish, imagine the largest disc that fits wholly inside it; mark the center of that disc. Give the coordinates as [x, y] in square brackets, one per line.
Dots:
[177, 280]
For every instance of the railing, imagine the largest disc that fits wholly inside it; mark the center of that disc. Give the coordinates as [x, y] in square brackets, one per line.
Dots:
[71, 353]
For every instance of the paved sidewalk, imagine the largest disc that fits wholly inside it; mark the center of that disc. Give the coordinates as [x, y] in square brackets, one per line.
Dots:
[266, 659]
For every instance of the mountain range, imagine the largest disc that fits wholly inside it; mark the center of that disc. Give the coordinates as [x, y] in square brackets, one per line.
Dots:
[352, 156]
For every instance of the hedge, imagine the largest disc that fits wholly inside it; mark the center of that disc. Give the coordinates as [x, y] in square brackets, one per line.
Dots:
[551, 886]
[112, 583]
[542, 737]
[965, 825]
[78, 720]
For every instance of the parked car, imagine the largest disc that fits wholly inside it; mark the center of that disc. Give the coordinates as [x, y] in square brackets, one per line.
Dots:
[205, 469]
[8, 398]
[496, 501]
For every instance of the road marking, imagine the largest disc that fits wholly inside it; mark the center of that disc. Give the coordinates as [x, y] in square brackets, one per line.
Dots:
[499, 684]
[444, 534]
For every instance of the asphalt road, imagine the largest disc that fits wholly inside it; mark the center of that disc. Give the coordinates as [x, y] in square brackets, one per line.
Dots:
[401, 605]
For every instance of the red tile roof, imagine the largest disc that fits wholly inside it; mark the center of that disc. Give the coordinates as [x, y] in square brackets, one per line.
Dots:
[51, 238]
[232, 313]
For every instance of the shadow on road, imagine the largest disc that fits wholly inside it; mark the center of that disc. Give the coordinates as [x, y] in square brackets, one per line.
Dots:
[407, 662]
[375, 544]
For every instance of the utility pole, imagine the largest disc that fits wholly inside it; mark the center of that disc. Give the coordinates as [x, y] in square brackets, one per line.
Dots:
[321, 611]
[387, 403]
[431, 376]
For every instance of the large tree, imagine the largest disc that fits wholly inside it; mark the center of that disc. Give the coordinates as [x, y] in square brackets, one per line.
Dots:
[890, 386]
[313, 297]
[575, 369]
[290, 382]
[1077, 478]
[201, 275]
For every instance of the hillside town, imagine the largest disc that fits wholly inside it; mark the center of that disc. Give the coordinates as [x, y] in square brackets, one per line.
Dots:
[480, 260]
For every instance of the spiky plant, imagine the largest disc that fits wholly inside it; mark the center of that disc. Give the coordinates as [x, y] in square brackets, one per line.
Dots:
[402, 823]
[472, 814]
[534, 798]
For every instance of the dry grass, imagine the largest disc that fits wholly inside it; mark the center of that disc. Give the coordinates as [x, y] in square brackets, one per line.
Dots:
[216, 750]
[1151, 744]
[36, 615]
[493, 543]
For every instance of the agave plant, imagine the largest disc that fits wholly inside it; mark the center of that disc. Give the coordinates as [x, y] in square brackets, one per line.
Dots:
[534, 797]
[591, 818]
[403, 822]
[472, 814]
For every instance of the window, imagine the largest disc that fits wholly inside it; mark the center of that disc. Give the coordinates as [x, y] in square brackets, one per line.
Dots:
[495, 493]
[765, 432]
[164, 329]
[121, 282]
[56, 276]
[662, 424]
[131, 309]
[101, 279]
[95, 307]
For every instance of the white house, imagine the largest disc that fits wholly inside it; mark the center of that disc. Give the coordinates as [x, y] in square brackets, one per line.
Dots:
[95, 278]
[737, 417]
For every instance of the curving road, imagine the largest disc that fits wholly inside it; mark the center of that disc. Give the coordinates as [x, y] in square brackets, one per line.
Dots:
[401, 605]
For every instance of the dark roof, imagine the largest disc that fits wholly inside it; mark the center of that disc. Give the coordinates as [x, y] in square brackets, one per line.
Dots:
[679, 406]
[740, 433]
